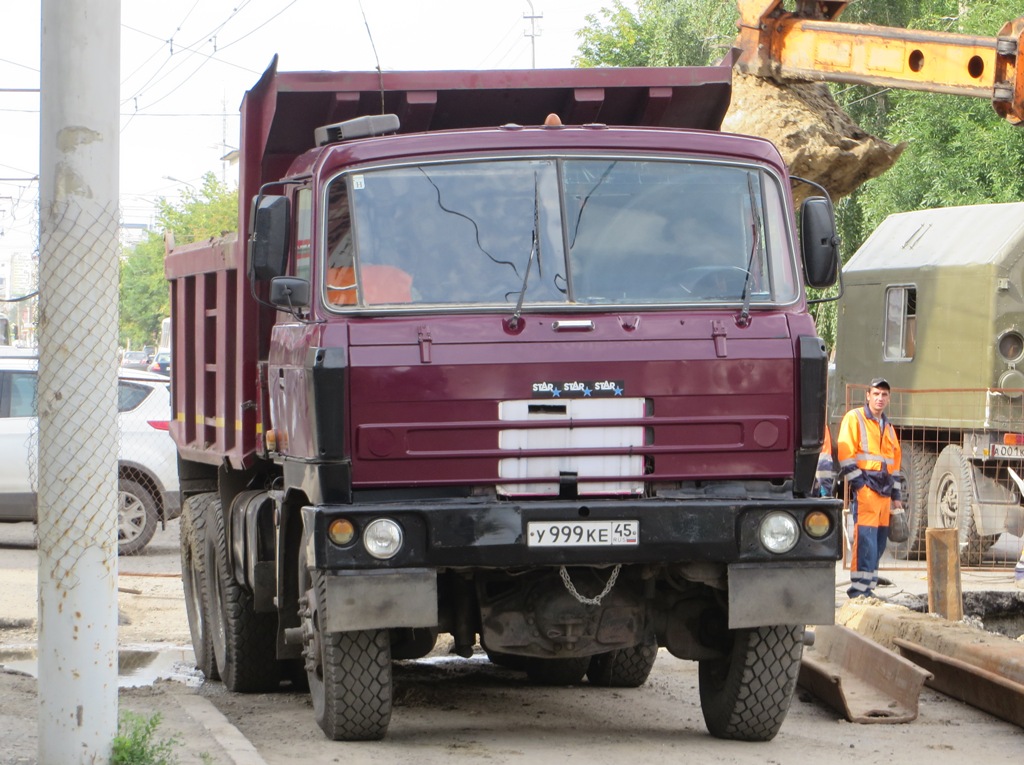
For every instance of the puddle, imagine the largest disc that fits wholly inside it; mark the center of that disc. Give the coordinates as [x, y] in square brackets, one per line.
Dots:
[136, 666]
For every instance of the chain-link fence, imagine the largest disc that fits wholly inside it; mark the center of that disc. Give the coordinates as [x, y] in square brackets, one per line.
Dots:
[963, 465]
[77, 362]
[146, 466]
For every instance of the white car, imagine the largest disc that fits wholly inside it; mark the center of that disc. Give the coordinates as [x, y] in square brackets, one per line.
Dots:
[147, 461]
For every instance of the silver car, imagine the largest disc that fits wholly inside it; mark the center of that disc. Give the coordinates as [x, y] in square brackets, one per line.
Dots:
[136, 360]
[147, 462]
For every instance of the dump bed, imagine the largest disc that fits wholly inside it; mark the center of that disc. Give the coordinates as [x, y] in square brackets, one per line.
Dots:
[220, 332]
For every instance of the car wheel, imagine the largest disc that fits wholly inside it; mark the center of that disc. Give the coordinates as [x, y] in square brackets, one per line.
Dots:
[136, 517]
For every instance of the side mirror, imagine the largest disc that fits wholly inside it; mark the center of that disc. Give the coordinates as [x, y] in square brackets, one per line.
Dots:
[819, 242]
[289, 292]
[268, 242]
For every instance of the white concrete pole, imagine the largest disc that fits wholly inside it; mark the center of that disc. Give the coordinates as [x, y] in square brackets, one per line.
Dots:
[77, 394]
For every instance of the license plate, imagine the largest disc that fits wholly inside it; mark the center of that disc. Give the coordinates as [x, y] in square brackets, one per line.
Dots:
[1008, 451]
[582, 533]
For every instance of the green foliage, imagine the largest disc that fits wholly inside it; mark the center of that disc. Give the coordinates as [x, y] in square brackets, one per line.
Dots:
[212, 210]
[135, 743]
[145, 297]
[661, 33]
[197, 214]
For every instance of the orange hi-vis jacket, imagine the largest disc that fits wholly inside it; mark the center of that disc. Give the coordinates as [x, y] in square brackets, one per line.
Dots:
[870, 457]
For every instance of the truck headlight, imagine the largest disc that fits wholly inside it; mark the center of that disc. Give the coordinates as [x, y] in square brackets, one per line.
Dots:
[382, 538]
[779, 532]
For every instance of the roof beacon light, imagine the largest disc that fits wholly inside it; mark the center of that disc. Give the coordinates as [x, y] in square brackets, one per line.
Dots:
[360, 127]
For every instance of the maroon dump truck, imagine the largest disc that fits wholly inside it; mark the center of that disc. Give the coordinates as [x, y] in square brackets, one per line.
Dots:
[549, 389]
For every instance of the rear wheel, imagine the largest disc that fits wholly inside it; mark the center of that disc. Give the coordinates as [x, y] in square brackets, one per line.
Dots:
[136, 517]
[625, 667]
[349, 673]
[244, 642]
[193, 578]
[745, 696]
[918, 465]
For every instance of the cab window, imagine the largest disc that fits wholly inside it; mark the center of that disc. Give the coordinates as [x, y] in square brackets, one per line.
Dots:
[900, 323]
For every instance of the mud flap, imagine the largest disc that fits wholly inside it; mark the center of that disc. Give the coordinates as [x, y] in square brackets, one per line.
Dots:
[763, 594]
[367, 600]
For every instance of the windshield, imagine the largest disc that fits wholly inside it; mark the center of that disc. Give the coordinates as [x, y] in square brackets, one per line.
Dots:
[550, 232]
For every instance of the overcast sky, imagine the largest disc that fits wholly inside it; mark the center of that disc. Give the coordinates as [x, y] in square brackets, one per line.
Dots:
[185, 65]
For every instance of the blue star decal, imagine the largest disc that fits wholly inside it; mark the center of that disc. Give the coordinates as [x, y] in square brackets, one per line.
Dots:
[618, 391]
[586, 392]
[556, 393]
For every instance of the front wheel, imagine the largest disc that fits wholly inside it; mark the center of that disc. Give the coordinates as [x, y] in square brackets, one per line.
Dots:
[951, 501]
[745, 696]
[349, 673]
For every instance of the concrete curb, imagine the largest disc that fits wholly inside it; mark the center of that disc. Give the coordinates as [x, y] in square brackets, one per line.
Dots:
[237, 747]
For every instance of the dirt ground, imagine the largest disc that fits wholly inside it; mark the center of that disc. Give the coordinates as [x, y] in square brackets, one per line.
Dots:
[453, 710]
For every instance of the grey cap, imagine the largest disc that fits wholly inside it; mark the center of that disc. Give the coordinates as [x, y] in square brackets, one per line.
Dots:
[879, 382]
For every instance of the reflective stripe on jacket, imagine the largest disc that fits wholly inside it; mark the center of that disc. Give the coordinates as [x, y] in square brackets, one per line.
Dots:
[869, 453]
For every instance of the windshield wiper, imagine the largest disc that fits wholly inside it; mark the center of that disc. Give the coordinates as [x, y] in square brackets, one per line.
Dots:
[755, 253]
[513, 323]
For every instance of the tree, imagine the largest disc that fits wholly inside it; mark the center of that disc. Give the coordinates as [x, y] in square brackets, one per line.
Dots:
[198, 214]
[959, 151]
[661, 33]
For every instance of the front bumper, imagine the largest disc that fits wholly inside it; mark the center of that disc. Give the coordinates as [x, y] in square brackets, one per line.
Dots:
[493, 535]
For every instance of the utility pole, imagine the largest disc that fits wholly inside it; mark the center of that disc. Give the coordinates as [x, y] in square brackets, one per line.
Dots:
[533, 33]
[77, 488]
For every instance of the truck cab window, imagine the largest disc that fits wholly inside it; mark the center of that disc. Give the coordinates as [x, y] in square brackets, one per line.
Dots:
[900, 323]
[557, 232]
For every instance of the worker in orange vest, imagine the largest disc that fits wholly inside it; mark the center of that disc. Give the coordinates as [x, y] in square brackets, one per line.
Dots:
[869, 457]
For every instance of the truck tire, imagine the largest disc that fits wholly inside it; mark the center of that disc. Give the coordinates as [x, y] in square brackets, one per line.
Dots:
[137, 517]
[193, 530]
[623, 668]
[349, 675]
[244, 642]
[746, 695]
[556, 671]
[918, 465]
[950, 494]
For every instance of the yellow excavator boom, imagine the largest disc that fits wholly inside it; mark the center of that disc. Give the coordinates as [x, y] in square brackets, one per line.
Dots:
[810, 44]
